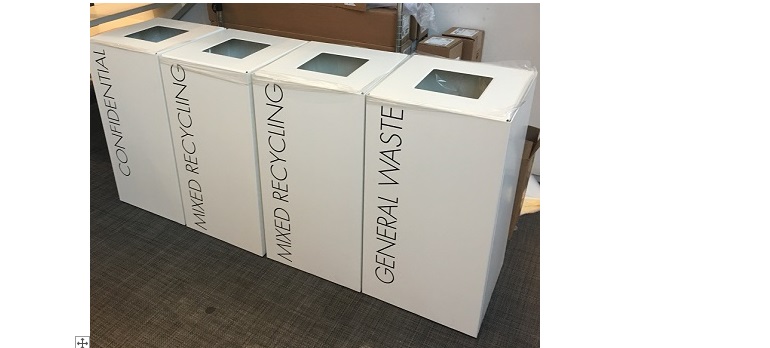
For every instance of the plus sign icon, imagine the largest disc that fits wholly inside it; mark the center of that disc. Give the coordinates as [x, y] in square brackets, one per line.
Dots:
[82, 342]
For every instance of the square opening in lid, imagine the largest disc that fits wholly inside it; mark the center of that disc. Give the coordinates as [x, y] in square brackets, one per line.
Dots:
[454, 83]
[236, 48]
[333, 64]
[156, 34]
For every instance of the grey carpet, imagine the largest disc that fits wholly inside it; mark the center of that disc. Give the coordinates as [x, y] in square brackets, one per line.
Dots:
[155, 283]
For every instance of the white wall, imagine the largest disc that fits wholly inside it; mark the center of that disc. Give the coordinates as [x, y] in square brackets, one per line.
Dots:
[512, 32]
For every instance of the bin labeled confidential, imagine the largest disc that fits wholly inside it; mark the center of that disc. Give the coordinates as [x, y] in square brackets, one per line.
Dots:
[125, 72]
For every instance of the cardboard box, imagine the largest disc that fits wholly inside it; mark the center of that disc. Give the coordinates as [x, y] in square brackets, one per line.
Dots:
[531, 145]
[309, 108]
[209, 97]
[444, 140]
[473, 42]
[348, 6]
[315, 38]
[440, 46]
[126, 75]
[414, 28]
[374, 28]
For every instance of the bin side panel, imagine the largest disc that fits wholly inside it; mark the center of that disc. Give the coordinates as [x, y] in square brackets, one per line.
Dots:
[515, 148]
[213, 135]
[310, 146]
[133, 111]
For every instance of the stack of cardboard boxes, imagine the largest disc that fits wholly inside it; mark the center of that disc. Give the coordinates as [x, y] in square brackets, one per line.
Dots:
[359, 25]
[455, 43]
[343, 24]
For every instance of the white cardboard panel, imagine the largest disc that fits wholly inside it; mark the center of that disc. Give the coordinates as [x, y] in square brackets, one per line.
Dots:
[136, 129]
[310, 148]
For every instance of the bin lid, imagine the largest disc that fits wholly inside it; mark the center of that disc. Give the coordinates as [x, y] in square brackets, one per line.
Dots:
[155, 35]
[332, 67]
[233, 50]
[469, 88]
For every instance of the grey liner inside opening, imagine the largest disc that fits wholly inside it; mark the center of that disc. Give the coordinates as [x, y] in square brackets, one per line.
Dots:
[333, 64]
[454, 83]
[236, 48]
[156, 34]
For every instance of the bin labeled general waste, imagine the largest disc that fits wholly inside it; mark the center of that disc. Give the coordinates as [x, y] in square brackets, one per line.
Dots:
[309, 110]
[444, 141]
[209, 99]
[125, 72]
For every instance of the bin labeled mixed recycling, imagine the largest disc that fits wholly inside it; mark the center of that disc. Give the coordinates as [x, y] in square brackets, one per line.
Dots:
[444, 140]
[309, 110]
[209, 99]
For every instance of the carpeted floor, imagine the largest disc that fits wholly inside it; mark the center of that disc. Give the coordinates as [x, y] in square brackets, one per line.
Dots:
[155, 283]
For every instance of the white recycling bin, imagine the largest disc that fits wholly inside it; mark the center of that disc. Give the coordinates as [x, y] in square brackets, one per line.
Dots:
[444, 140]
[210, 108]
[125, 72]
[309, 110]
